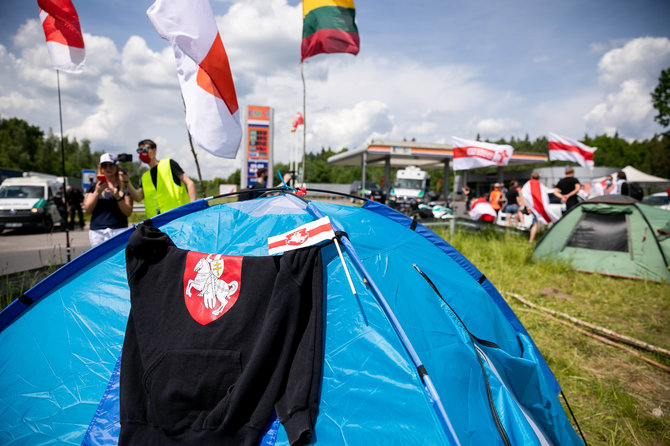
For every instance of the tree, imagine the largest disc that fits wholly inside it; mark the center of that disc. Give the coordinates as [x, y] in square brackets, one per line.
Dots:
[661, 100]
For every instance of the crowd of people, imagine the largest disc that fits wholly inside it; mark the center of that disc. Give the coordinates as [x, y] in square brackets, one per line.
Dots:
[509, 203]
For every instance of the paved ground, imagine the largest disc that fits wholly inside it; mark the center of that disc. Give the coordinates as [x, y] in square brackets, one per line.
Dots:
[23, 250]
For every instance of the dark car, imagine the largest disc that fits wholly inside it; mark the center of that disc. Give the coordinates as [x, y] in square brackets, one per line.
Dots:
[372, 191]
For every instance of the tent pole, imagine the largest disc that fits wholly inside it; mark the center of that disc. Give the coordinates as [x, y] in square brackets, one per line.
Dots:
[351, 283]
[402, 336]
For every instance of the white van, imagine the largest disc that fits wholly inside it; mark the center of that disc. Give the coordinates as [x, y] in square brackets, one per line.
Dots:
[28, 202]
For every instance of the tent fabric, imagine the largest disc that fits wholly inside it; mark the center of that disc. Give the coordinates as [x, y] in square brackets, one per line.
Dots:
[61, 354]
[613, 235]
[637, 176]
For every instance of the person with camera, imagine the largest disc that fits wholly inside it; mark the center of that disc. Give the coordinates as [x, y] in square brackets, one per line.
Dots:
[108, 201]
[164, 186]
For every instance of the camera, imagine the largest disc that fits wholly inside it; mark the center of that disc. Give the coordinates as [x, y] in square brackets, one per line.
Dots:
[124, 157]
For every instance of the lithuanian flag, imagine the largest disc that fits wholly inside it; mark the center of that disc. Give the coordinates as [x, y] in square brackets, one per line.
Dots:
[329, 27]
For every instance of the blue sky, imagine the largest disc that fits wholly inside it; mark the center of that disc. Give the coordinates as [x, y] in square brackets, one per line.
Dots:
[428, 70]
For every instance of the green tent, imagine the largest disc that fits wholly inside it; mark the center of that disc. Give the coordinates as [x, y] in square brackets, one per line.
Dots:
[613, 235]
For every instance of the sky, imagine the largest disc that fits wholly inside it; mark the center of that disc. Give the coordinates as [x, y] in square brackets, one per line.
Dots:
[426, 70]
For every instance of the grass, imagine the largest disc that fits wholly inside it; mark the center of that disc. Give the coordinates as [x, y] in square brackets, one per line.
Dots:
[614, 395]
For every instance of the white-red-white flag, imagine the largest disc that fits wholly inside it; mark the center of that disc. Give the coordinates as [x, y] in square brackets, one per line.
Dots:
[568, 149]
[65, 41]
[296, 121]
[308, 234]
[536, 196]
[212, 113]
[473, 154]
[482, 209]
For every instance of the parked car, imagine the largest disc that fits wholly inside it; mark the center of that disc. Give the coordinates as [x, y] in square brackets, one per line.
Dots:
[659, 200]
[28, 202]
[372, 191]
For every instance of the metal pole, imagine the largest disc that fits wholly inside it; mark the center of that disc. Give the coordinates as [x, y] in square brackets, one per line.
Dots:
[62, 159]
[304, 124]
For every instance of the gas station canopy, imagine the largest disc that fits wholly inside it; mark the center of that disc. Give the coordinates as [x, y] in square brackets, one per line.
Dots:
[410, 153]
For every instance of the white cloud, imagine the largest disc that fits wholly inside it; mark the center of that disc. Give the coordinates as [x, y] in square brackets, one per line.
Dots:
[497, 128]
[628, 75]
[641, 58]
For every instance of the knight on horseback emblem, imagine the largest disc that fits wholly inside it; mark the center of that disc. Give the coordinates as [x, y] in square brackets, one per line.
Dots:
[215, 291]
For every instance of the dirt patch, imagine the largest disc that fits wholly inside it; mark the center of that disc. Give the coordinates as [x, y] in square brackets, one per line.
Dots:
[556, 293]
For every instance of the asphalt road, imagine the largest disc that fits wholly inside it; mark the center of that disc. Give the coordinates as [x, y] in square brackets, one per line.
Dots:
[21, 250]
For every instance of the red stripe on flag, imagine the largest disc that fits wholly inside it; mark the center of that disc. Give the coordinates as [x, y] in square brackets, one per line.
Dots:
[330, 41]
[214, 75]
[62, 24]
[555, 145]
[538, 203]
[320, 229]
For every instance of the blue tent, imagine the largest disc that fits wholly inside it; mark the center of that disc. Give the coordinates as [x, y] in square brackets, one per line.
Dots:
[427, 351]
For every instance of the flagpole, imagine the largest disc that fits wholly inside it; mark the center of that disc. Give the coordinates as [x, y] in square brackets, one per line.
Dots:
[197, 164]
[304, 124]
[62, 158]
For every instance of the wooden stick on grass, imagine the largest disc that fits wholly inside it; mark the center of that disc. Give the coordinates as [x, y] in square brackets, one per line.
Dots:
[600, 330]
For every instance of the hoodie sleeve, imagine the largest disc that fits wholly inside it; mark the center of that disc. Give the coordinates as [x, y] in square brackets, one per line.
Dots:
[297, 407]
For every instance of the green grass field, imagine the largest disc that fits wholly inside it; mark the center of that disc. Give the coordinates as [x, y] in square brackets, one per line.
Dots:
[618, 399]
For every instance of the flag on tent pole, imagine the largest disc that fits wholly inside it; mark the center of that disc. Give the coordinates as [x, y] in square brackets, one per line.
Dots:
[212, 113]
[296, 121]
[568, 149]
[63, 33]
[308, 234]
[329, 26]
[473, 154]
[536, 197]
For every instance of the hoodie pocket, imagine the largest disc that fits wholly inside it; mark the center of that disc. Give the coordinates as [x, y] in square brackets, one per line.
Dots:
[185, 385]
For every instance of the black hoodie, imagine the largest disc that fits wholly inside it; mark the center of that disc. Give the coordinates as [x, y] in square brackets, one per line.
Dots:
[215, 343]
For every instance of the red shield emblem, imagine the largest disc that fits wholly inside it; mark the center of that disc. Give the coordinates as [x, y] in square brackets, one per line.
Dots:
[211, 285]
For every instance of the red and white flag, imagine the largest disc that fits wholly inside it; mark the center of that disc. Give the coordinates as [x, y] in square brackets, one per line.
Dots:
[536, 196]
[212, 113]
[309, 234]
[567, 149]
[63, 33]
[296, 121]
[482, 209]
[473, 154]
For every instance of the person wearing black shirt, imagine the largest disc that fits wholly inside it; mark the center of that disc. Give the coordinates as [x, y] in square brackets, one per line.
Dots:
[74, 199]
[567, 188]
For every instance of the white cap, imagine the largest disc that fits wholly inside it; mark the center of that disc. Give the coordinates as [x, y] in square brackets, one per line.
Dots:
[107, 158]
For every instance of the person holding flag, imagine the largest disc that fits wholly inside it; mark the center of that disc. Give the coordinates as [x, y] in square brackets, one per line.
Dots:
[536, 200]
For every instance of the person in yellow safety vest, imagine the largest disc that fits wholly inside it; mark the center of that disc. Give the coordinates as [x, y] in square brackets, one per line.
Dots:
[164, 186]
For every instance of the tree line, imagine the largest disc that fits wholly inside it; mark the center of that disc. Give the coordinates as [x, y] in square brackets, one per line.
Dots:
[28, 148]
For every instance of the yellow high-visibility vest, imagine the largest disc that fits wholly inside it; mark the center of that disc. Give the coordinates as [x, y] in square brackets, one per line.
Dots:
[166, 194]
